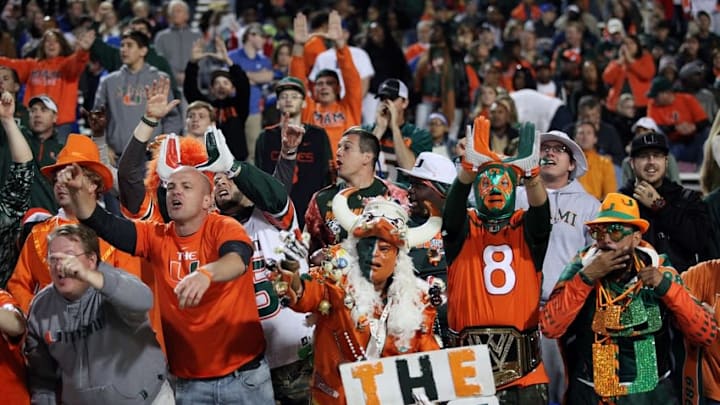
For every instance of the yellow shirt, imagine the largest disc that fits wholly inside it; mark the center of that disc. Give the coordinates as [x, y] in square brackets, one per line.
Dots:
[600, 176]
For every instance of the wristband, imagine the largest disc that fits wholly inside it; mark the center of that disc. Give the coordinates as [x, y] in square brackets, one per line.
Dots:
[151, 123]
[206, 273]
[291, 152]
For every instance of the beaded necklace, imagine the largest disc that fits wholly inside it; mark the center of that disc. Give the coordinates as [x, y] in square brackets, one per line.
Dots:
[615, 317]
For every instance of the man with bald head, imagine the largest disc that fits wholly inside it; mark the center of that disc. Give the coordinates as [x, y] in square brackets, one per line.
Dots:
[199, 260]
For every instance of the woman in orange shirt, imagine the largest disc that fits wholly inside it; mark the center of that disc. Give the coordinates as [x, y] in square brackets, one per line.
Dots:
[55, 73]
[633, 70]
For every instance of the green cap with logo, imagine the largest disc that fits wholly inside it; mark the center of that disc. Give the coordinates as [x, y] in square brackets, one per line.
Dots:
[290, 83]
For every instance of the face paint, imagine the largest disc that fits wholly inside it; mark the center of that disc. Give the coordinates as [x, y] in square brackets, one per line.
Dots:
[376, 258]
[495, 192]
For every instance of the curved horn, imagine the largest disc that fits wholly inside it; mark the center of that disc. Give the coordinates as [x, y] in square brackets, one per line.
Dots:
[169, 157]
[423, 233]
[345, 217]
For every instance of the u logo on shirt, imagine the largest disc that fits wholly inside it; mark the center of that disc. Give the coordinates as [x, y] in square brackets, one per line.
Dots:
[176, 269]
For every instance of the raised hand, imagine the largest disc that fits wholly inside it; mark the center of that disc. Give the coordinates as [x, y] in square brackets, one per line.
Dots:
[86, 40]
[300, 29]
[220, 158]
[291, 135]
[72, 177]
[221, 52]
[7, 105]
[477, 150]
[198, 50]
[157, 105]
[334, 32]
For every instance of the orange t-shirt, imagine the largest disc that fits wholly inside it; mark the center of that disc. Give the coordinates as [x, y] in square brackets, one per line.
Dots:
[56, 77]
[12, 363]
[342, 114]
[704, 285]
[32, 272]
[493, 282]
[223, 332]
[685, 108]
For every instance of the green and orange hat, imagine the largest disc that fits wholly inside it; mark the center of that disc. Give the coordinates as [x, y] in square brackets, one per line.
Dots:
[619, 208]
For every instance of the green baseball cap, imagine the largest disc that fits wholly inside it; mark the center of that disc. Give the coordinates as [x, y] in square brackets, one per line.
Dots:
[290, 83]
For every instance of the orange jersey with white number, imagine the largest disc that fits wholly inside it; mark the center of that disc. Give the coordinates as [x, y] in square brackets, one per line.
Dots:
[223, 332]
[494, 282]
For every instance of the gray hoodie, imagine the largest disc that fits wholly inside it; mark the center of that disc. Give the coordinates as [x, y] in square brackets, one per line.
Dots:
[123, 95]
[101, 347]
[570, 207]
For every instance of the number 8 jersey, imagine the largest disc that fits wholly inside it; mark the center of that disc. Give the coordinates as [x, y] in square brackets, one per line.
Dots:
[493, 281]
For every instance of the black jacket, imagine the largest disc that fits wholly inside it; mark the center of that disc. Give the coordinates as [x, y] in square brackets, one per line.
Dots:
[681, 228]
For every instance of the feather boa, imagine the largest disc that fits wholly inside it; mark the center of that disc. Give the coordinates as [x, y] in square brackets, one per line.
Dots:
[406, 296]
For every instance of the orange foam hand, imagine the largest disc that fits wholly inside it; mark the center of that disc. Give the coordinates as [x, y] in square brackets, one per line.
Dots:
[478, 150]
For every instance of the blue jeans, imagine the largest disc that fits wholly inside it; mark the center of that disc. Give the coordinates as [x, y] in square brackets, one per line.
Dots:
[240, 387]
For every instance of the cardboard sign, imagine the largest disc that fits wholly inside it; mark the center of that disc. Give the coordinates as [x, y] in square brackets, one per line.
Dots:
[441, 375]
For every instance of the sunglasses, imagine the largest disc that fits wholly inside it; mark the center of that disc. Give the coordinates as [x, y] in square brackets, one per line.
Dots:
[616, 232]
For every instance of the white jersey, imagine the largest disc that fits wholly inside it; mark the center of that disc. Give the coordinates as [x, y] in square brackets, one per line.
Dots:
[286, 331]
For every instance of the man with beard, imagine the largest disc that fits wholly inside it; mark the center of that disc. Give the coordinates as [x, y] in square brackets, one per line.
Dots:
[613, 310]
[495, 255]
[260, 203]
[430, 180]
[307, 157]
[679, 219]
[367, 302]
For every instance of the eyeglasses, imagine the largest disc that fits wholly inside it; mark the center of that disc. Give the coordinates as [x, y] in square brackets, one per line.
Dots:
[290, 97]
[616, 232]
[554, 148]
[55, 260]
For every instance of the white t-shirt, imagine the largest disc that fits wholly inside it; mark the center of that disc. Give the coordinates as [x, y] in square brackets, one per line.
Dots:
[328, 60]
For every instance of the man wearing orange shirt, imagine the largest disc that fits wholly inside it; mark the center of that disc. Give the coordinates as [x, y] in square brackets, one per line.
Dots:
[599, 180]
[214, 340]
[681, 118]
[325, 108]
[32, 272]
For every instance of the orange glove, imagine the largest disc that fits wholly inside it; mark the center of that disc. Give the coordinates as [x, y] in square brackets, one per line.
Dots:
[477, 151]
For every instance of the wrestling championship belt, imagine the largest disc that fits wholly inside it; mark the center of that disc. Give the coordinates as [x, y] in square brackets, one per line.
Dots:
[513, 354]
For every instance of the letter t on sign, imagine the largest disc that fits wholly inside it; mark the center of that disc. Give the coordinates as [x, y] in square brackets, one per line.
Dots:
[366, 374]
[461, 373]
